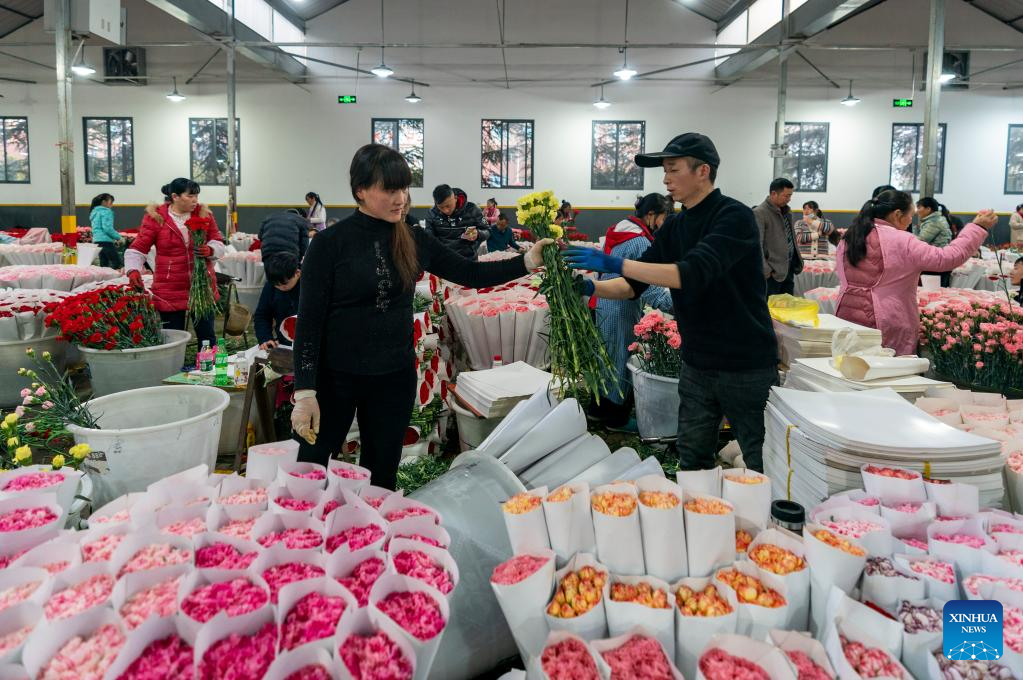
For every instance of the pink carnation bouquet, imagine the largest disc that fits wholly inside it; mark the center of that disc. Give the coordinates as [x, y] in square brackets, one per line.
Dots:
[160, 600]
[293, 539]
[420, 566]
[362, 578]
[640, 658]
[281, 575]
[374, 657]
[85, 658]
[568, 660]
[21, 519]
[657, 345]
[235, 597]
[155, 556]
[238, 657]
[313, 617]
[76, 599]
[416, 612]
[163, 659]
[356, 538]
[223, 556]
[517, 569]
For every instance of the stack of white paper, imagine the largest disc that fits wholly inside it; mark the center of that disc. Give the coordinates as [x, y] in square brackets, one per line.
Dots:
[801, 342]
[494, 391]
[817, 443]
[818, 375]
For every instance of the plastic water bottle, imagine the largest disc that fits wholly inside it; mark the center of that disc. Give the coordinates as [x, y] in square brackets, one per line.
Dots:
[497, 361]
[220, 376]
[206, 357]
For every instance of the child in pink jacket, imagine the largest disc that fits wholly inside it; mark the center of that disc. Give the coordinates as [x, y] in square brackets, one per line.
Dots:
[879, 264]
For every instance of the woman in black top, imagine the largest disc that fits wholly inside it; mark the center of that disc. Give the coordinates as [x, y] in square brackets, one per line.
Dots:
[354, 346]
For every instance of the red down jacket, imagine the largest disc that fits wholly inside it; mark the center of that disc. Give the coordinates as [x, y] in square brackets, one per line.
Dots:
[174, 259]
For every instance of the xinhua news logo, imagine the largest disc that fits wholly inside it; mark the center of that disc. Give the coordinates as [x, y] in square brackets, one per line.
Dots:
[972, 630]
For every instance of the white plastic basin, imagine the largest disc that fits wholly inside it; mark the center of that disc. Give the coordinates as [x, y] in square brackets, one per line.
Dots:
[112, 371]
[151, 433]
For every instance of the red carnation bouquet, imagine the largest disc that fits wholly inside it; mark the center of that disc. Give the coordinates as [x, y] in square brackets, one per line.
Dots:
[201, 302]
[114, 317]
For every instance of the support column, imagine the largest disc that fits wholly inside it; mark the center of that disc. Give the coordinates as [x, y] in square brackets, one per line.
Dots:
[63, 39]
[783, 88]
[935, 56]
[232, 142]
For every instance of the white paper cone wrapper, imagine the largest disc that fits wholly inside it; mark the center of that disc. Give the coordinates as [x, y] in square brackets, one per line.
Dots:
[351, 515]
[700, 482]
[233, 484]
[422, 526]
[524, 605]
[195, 580]
[917, 648]
[278, 555]
[794, 641]
[619, 539]
[955, 499]
[287, 663]
[892, 490]
[561, 425]
[622, 617]
[520, 420]
[768, 657]
[130, 584]
[755, 620]
[73, 577]
[833, 645]
[137, 640]
[692, 633]
[46, 641]
[877, 542]
[593, 624]
[395, 502]
[360, 623]
[841, 607]
[966, 558]
[222, 626]
[272, 523]
[528, 531]
[829, 566]
[887, 591]
[710, 539]
[16, 541]
[298, 485]
[797, 584]
[752, 502]
[14, 577]
[937, 590]
[534, 667]
[65, 490]
[425, 650]
[290, 595]
[908, 524]
[115, 506]
[569, 523]
[192, 476]
[438, 556]
[264, 460]
[336, 480]
[61, 548]
[14, 619]
[645, 630]
[664, 545]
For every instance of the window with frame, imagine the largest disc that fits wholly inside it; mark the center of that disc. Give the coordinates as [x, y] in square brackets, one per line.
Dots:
[807, 161]
[1014, 161]
[506, 154]
[614, 145]
[406, 136]
[109, 150]
[15, 145]
[907, 167]
[208, 150]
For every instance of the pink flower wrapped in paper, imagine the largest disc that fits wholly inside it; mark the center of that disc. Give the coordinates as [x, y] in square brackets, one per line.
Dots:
[329, 507]
[345, 472]
[411, 511]
[223, 556]
[239, 528]
[296, 504]
[915, 543]
[419, 537]
[936, 569]
[314, 474]
[1012, 629]
[102, 548]
[973, 584]
[13, 639]
[85, 658]
[961, 539]
[568, 660]
[517, 569]
[805, 666]
[853, 528]
[155, 556]
[717, 664]
[235, 597]
[19, 593]
[362, 578]
[870, 662]
[415, 612]
[34, 481]
[116, 518]
[186, 528]
[240, 657]
[314, 617]
[76, 599]
[374, 657]
[245, 497]
[163, 659]
[640, 658]
[420, 566]
[160, 600]
[21, 519]
[281, 575]
[310, 672]
[293, 539]
[376, 501]
[1005, 529]
[356, 538]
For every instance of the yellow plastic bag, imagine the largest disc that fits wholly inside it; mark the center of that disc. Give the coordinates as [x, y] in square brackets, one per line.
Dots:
[794, 310]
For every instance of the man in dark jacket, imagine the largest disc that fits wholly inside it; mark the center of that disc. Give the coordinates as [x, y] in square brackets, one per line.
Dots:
[456, 222]
[782, 261]
[284, 232]
[279, 298]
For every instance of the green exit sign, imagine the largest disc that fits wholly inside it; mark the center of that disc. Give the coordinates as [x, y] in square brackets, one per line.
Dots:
[902, 103]
[346, 99]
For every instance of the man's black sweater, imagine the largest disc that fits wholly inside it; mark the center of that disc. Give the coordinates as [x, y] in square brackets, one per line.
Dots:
[721, 308]
[354, 314]
[274, 307]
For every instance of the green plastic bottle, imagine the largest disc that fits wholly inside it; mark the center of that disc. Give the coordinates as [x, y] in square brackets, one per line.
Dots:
[220, 365]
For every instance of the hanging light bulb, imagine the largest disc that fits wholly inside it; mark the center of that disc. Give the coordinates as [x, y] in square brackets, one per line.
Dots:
[79, 67]
[175, 96]
[850, 99]
[625, 72]
[412, 97]
[383, 70]
[602, 103]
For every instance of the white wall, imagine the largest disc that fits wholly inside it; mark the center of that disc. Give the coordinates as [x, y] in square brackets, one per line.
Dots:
[293, 141]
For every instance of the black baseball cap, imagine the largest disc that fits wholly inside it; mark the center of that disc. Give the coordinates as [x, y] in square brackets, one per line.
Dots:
[687, 144]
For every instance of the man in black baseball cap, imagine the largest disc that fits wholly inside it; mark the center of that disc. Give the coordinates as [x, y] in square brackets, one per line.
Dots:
[709, 255]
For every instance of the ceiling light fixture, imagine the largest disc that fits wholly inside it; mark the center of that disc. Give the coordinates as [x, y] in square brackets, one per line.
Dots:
[79, 67]
[850, 99]
[412, 97]
[383, 70]
[175, 96]
[625, 72]
[602, 103]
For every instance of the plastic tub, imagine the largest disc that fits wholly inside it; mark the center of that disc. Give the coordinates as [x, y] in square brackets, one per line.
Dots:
[152, 433]
[86, 253]
[468, 496]
[249, 295]
[472, 429]
[117, 370]
[12, 357]
[656, 403]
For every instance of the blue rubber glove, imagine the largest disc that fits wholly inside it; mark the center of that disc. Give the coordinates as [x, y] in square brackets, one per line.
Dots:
[591, 259]
[589, 288]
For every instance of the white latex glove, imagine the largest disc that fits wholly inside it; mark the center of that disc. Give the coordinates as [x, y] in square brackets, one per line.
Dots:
[534, 258]
[305, 418]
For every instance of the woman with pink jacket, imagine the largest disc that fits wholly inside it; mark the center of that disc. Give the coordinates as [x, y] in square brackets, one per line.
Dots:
[879, 264]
